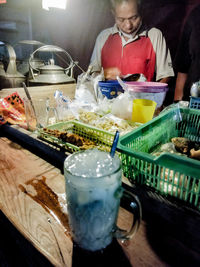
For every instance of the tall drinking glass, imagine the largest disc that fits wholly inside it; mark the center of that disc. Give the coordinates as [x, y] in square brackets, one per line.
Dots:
[93, 191]
[40, 114]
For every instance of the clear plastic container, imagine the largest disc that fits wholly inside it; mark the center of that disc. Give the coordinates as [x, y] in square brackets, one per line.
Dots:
[154, 91]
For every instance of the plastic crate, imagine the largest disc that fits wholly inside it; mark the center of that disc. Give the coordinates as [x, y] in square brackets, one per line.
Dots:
[194, 102]
[102, 139]
[167, 174]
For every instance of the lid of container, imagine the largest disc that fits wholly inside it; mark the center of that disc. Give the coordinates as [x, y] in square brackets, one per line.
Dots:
[147, 87]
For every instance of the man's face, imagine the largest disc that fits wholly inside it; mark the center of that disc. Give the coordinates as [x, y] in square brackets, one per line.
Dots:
[127, 17]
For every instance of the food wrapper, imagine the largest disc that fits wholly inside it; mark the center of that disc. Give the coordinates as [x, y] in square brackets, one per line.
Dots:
[108, 122]
[12, 110]
[70, 110]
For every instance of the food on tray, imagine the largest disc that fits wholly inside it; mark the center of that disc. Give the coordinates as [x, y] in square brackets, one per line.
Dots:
[109, 122]
[112, 126]
[185, 146]
[71, 138]
[180, 146]
[88, 116]
[168, 147]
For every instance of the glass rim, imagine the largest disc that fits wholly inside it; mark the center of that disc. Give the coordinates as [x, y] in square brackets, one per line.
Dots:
[89, 177]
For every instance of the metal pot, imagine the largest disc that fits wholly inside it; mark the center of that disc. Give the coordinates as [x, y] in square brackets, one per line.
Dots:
[23, 64]
[10, 77]
[51, 73]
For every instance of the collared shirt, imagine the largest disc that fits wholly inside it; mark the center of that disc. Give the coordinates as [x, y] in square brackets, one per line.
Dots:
[145, 53]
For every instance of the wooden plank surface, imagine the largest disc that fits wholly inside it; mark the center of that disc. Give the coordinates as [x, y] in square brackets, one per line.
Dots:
[17, 166]
[46, 228]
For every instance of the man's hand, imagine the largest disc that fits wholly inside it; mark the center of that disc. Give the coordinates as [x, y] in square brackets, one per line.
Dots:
[165, 80]
[111, 73]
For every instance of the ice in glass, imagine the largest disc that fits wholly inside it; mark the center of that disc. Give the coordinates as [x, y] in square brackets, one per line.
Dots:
[93, 191]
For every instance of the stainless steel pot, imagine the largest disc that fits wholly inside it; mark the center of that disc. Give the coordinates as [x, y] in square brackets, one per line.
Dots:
[23, 63]
[51, 73]
[10, 77]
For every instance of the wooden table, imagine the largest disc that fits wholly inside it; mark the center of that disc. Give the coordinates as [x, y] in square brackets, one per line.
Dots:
[30, 190]
[47, 229]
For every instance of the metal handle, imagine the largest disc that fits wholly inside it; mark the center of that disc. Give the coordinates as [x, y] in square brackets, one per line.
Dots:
[50, 48]
[11, 68]
[30, 42]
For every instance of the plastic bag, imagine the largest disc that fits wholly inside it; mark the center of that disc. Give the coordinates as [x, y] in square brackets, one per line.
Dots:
[176, 109]
[104, 106]
[12, 110]
[68, 109]
[64, 112]
[87, 87]
[122, 106]
[195, 89]
[112, 124]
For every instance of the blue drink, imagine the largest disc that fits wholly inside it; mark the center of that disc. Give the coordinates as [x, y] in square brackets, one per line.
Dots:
[93, 190]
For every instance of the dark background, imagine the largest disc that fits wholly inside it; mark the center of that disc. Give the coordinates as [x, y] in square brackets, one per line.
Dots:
[76, 28]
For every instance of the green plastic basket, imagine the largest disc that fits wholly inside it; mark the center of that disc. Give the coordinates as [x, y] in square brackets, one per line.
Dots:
[102, 139]
[167, 174]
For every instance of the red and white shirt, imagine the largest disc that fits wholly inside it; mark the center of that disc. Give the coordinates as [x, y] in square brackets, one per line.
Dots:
[146, 53]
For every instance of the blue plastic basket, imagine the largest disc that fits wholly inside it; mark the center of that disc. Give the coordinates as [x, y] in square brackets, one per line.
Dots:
[194, 102]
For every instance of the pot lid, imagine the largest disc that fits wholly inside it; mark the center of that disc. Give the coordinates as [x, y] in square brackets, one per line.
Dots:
[52, 79]
[51, 68]
[148, 87]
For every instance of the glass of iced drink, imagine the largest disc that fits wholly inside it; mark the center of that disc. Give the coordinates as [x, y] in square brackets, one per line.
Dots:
[93, 192]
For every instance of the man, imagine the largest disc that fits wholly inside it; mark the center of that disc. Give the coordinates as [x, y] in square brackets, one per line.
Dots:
[188, 56]
[129, 48]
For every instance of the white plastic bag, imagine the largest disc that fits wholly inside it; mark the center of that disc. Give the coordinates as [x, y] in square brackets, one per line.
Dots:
[87, 87]
[63, 106]
[122, 106]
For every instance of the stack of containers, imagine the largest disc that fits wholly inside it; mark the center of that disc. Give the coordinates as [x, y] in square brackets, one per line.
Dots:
[154, 91]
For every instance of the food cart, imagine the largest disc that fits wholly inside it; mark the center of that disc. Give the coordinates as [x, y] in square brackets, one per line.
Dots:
[32, 198]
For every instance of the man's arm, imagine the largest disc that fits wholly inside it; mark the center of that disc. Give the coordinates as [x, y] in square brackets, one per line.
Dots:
[183, 60]
[163, 68]
[180, 82]
[165, 80]
[95, 60]
[111, 73]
